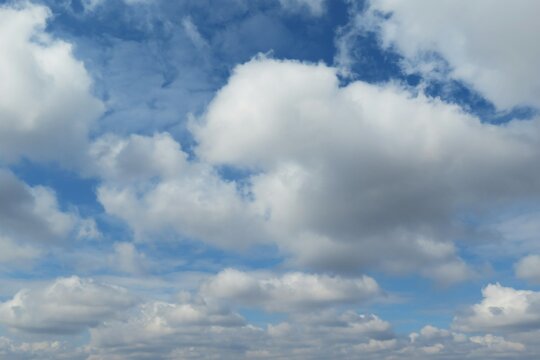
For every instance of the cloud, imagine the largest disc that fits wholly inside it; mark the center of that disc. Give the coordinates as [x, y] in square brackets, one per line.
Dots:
[32, 214]
[150, 184]
[157, 329]
[502, 309]
[528, 268]
[68, 305]
[314, 7]
[435, 343]
[194, 35]
[487, 44]
[341, 179]
[296, 291]
[46, 350]
[190, 329]
[14, 253]
[46, 107]
[128, 259]
[362, 175]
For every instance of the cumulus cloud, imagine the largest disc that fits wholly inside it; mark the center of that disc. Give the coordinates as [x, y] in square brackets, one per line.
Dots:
[343, 172]
[340, 178]
[158, 329]
[189, 329]
[46, 106]
[291, 291]
[68, 305]
[487, 44]
[32, 214]
[150, 184]
[502, 309]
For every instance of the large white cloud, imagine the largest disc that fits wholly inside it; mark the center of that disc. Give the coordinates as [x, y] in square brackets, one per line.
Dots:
[489, 44]
[362, 174]
[46, 107]
[502, 309]
[68, 305]
[340, 178]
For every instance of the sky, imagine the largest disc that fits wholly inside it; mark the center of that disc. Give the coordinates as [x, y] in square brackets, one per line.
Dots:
[269, 179]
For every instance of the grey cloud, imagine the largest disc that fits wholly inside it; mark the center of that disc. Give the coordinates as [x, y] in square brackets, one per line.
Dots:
[32, 214]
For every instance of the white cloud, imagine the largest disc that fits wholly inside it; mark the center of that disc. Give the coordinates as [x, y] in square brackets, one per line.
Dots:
[362, 175]
[489, 44]
[38, 350]
[46, 106]
[435, 343]
[150, 184]
[340, 178]
[68, 305]
[14, 253]
[158, 329]
[528, 268]
[298, 291]
[502, 309]
[128, 259]
[497, 343]
[197, 330]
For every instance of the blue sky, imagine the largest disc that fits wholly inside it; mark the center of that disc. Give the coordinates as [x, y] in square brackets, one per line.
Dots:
[275, 179]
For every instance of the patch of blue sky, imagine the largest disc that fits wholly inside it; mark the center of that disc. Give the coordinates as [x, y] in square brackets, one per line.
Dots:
[262, 318]
[415, 301]
[70, 188]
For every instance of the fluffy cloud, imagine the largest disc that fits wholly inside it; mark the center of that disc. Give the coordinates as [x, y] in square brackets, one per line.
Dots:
[190, 329]
[150, 184]
[488, 44]
[46, 106]
[33, 214]
[68, 305]
[158, 329]
[340, 178]
[297, 291]
[362, 175]
[502, 309]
